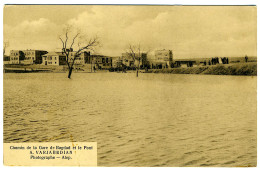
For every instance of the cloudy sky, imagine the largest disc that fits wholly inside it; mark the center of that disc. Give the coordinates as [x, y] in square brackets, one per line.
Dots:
[190, 31]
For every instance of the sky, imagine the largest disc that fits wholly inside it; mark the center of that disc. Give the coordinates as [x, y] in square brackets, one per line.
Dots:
[189, 31]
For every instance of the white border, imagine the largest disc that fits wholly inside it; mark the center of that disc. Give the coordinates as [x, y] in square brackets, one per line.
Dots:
[151, 2]
[154, 2]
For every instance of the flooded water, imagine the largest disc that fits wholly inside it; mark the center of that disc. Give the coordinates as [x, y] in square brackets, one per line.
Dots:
[152, 120]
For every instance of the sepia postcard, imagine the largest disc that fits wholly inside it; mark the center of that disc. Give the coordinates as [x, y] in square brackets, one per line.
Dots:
[130, 85]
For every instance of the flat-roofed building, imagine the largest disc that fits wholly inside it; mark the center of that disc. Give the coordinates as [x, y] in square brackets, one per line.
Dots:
[129, 61]
[161, 59]
[101, 61]
[33, 56]
[82, 59]
[54, 58]
[117, 62]
[16, 57]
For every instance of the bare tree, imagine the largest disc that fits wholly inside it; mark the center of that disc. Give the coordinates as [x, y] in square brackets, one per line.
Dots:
[137, 54]
[67, 48]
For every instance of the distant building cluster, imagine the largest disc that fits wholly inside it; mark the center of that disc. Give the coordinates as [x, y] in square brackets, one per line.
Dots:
[52, 58]
[159, 59]
[24, 57]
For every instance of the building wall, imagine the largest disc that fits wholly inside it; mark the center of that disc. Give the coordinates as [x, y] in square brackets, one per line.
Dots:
[33, 56]
[185, 63]
[163, 56]
[26, 56]
[101, 61]
[81, 60]
[29, 56]
[38, 56]
[117, 62]
[62, 60]
[161, 59]
[128, 60]
[16, 56]
[6, 59]
[54, 60]
[50, 60]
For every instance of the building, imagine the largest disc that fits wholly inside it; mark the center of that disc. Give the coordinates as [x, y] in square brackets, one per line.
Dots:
[26, 56]
[129, 61]
[161, 59]
[101, 61]
[82, 59]
[16, 57]
[33, 56]
[163, 55]
[54, 58]
[185, 63]
[6, 59]
[117, 62]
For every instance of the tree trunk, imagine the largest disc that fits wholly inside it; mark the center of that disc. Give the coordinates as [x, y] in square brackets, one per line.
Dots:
[137, 73]
[70, 72]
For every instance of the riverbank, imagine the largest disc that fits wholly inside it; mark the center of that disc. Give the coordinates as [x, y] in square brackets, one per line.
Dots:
[40, 68]
[247, 69]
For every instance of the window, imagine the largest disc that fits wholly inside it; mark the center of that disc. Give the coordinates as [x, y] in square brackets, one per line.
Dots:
[55, 62]
[50, 57]
[55, 59]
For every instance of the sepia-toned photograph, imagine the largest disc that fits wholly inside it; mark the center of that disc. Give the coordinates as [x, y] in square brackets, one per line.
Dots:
[144, 85]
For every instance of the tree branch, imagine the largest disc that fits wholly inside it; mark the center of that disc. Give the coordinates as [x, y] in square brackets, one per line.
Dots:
[74, 40]
[91, 43]
[66, 44]
[62, 42]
